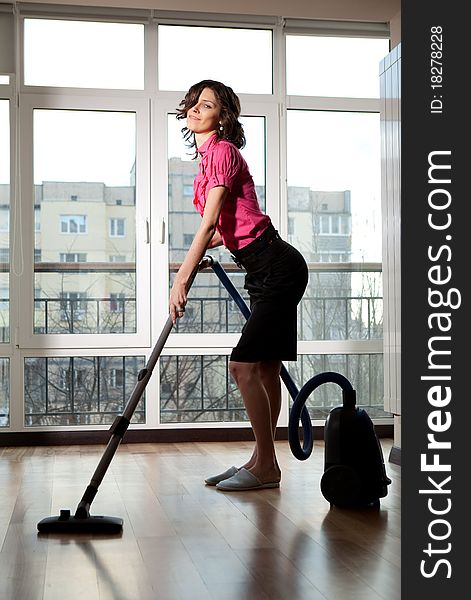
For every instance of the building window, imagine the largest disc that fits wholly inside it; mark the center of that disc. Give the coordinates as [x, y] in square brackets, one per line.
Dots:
[74, 198]
[117, 227]
[290, 226]
[324, 224]
[4, 218]
[117, 302]
[37, 218]
[73, 306]
[73, 224]
[116, 379]
[188, 190]
[187, 239]
[73, 257]
[117, 258]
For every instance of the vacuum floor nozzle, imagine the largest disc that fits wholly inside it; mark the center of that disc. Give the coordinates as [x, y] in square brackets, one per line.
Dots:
[67, 523]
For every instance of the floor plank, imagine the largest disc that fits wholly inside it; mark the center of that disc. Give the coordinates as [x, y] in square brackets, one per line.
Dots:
[183, 540]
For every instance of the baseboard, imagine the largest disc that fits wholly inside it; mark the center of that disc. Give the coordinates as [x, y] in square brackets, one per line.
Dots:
[141, 436]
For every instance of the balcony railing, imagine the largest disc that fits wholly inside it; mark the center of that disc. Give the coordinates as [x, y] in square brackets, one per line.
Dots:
[210, 310]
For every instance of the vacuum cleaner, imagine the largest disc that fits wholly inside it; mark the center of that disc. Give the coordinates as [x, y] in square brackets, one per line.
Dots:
[354, 470]
[83, 522]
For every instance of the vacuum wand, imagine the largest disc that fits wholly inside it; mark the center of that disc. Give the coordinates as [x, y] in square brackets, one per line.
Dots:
[82, 521]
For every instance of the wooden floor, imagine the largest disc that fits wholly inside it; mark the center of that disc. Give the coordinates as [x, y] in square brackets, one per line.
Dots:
[184, 540]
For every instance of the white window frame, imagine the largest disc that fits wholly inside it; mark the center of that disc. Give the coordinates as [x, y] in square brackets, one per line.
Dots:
[75, 255]
[249, 107]
[152, 106]
[30, 102]
[114, 227]
[68, 219]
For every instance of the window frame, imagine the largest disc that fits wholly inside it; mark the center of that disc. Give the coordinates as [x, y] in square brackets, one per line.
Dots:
[152, 136]
[59, 101]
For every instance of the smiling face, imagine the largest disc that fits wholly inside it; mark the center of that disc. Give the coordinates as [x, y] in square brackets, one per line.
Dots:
[203, 117]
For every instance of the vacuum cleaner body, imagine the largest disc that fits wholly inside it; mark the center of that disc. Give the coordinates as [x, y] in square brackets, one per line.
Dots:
[354, 470]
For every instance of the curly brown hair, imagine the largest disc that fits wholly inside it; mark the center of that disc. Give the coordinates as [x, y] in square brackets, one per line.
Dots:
[231, 128]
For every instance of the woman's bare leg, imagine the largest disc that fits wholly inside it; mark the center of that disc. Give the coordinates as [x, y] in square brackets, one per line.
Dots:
[261, 391]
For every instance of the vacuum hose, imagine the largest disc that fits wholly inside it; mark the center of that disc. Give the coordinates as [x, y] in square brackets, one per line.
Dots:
[308, 439]
[299, 406]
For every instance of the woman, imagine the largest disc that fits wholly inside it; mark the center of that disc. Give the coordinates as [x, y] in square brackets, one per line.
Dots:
[276, 277]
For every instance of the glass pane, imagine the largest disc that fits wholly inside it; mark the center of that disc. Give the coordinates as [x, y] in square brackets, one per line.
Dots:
[198, 389]
[334, 66]
[334, 211]
[92, 55]
[4, 221]
[210, 309]
[80, 390]
[85, 234]
[4, 392]
[364, 371]
[4, 79]
[220, 53]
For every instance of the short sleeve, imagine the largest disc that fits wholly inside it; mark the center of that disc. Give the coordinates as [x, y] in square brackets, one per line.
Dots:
[226, 166]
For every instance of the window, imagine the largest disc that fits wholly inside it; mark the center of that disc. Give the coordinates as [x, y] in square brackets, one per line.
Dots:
[4, 391]
[90, 154]
[80, 390]
[187, 239]
[73, 224]
[117, 302]
[347, 179]
[4, 224]
[116, 378]
[291, 225]
[196, 390]
[338, 66]
[230, 65]
[334, 191]
[92, 54]
[117, 227]
[37, 218]
[4, 218]
[209, 302]
[73, 257]
[73, 306]
[89, 185]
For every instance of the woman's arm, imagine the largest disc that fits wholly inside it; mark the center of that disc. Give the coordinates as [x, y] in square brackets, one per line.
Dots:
[216, 240]
[199, 245]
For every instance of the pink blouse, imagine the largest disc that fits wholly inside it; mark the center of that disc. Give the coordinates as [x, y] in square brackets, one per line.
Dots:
[241, 219]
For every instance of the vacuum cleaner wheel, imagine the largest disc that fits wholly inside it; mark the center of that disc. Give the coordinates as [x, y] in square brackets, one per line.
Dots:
[340, 485]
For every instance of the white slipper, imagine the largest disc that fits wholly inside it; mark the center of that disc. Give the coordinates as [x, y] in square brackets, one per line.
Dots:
[243, 481]
[217, 478]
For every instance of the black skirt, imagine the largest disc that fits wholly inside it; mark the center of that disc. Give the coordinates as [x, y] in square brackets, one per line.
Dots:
[277, 276]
